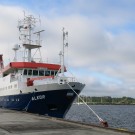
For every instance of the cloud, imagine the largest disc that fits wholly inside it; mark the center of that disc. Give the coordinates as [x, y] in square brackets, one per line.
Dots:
[100, 41]
[8, 29]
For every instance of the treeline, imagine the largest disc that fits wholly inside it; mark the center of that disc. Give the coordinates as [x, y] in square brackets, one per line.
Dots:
[106, 100]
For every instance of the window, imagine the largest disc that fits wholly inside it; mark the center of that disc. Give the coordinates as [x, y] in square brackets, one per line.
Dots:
[52, 73]
[56, 72]
[29, 72]
[41, 72]
[35, 72]
[47, 73]
[25, 72]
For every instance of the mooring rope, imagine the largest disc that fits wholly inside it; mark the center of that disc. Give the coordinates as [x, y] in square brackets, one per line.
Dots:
[104, 123]
[27, 106]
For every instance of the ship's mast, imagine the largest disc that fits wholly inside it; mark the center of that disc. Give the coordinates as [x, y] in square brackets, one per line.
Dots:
[65, 44]
[26, 27]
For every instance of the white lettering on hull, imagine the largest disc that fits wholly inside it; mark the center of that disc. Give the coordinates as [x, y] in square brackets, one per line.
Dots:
[39, 97]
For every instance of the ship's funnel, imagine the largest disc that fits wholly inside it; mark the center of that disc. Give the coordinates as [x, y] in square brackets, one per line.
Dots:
[1, 62]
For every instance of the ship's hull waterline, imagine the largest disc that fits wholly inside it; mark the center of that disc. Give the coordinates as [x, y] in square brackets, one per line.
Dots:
[53, 103]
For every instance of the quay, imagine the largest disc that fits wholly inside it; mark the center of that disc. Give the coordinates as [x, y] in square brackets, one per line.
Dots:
[23, 123]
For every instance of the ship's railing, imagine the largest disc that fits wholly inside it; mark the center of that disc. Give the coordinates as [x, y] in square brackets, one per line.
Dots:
[67, 79]
[49, 61]
[58, 79]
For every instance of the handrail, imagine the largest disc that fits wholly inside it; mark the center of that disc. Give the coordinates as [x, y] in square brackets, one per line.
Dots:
[41, 78]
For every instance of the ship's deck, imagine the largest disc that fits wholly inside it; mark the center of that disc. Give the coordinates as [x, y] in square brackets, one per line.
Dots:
[14, 122]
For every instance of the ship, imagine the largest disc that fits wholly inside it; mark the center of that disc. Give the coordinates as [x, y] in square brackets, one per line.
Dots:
[32, 85]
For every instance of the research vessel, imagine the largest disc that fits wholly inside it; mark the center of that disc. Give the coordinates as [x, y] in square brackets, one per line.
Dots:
[32, 85]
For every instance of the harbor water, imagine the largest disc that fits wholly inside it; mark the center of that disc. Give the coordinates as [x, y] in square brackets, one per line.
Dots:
[117, 116]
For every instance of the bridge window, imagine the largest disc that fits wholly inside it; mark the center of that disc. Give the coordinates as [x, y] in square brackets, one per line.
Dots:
[41, 72]
[47, 73]
[29, 72]
[56, 72]
[25, 72]
[52, 73]
[35, 72]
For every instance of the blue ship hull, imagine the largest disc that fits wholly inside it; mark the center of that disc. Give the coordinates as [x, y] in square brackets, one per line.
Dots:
[53, 103]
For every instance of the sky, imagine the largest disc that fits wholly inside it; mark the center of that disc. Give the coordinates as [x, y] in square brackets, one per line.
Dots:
[101, 50]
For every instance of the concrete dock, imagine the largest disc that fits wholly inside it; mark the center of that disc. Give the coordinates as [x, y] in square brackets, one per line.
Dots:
[22, 123]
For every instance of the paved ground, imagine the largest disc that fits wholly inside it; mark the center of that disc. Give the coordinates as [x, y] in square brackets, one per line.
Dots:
[20, 123]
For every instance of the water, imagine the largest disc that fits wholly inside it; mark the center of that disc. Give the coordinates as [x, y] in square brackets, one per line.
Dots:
[117, 116]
